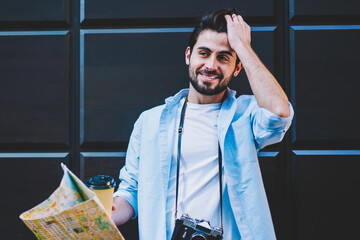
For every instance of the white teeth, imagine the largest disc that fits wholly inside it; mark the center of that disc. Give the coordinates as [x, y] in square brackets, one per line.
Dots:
[213, 77]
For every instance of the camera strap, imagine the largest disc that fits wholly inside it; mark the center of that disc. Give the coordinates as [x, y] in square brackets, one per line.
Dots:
[180, 131]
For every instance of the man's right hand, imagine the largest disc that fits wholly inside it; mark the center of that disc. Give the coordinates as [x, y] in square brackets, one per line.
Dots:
[122, 211]
[238, 32]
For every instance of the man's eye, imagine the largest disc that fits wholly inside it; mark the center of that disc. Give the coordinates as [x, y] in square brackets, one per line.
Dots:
[223, 58]
[203, 53]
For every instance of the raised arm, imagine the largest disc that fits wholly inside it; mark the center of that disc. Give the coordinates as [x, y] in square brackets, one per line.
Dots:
[267, 90]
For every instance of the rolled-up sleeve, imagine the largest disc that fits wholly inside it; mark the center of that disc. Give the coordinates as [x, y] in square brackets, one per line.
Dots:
[268, 128]
[128, 186]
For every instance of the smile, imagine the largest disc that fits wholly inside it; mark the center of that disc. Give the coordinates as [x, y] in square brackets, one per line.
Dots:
[209, 77]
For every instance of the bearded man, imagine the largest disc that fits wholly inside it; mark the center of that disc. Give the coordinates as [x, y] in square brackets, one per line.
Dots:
[197, 153]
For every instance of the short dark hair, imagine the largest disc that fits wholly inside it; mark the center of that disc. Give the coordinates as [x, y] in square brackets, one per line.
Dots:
[213, 20]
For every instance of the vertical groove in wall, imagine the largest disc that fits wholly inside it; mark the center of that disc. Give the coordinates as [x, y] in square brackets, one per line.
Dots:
[288, 218]
[75, 86]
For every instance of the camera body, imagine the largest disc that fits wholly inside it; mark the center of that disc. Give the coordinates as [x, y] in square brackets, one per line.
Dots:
[187, 228]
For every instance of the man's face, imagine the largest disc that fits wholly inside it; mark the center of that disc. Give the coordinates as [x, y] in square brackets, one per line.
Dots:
[212, 63]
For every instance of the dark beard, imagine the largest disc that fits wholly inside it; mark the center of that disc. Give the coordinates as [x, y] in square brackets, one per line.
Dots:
[205, 88]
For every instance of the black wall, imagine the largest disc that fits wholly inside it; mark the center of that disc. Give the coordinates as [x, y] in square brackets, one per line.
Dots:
[75, 75]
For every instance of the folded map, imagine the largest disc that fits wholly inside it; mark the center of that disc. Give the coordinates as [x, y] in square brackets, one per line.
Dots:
[73, 211]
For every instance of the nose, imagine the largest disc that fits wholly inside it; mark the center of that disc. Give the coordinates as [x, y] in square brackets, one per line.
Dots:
[211, 63]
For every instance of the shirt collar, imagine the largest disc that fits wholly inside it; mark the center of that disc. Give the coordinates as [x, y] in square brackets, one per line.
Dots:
[229, 94]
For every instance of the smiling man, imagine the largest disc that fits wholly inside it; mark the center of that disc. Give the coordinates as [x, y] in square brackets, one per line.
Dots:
[212, 64]
[195, 157]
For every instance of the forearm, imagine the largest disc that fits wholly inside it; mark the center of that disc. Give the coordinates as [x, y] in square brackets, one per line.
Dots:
[122, 211]
[265, 87]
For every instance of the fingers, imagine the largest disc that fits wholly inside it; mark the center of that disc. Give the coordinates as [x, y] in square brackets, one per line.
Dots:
[232, 18]
[235, 18]
[238, 30]
[239, 19]
[228, 18]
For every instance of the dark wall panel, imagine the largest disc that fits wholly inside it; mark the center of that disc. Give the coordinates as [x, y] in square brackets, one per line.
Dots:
[34, 11]
[326, 197]
[28, 179]
[105, 163]
[34, 92]
[271, 165]
[324, 8]
[125, 73]
[324, 65]
[113, 9]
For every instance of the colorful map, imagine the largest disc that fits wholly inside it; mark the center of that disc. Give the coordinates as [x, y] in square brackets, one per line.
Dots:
[72, 212]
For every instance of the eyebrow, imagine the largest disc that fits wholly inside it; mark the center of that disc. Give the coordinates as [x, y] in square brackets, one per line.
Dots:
[222, 52]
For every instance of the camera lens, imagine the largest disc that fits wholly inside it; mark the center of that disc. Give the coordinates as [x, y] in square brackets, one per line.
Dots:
[198, 236]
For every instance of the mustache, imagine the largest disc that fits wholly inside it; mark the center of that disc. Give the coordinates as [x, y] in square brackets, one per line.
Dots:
[214, 72]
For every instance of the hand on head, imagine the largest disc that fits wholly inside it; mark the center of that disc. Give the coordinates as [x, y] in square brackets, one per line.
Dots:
[238, 31]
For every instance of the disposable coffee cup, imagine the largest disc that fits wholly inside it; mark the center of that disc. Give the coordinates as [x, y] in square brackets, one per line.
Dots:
[103, 186]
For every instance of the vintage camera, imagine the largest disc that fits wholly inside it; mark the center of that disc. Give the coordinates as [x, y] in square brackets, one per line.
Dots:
[187, 228]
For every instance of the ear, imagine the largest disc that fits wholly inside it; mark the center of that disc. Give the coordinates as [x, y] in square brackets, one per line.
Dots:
[237, 69]
[187, 55]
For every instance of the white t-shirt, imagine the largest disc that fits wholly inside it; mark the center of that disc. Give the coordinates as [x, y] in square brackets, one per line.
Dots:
[199, 170]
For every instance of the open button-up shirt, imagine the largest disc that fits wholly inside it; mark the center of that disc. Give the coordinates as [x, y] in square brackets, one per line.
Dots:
[243, 129]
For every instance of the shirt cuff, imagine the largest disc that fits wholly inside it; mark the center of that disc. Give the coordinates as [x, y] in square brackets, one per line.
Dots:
[272, 121]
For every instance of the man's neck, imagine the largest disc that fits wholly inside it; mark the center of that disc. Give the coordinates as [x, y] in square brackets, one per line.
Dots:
[198, 98]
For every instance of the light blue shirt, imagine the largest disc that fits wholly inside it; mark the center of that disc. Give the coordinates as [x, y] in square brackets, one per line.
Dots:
[243, 129]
